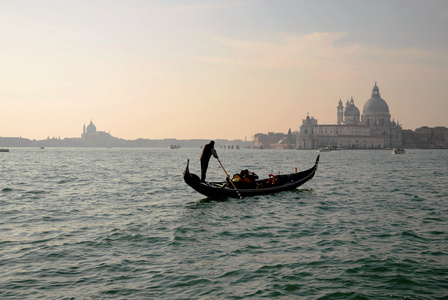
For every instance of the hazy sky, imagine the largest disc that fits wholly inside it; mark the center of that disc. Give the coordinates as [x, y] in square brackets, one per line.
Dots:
[216, 69]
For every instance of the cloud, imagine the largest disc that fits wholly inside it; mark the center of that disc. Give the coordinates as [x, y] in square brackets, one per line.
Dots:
[438, 6]
[291, 51]
[288, 51]
[205, 6]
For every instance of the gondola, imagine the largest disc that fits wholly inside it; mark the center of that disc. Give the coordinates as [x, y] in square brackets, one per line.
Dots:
[273, 184]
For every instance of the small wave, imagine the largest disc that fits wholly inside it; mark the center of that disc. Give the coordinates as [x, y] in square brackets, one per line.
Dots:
[414, 197]
[402, 280]
[342, 295]
[7, 190]
[189, 280]
[233, 273]
[436, 232]
[434, 253]
[412, 234]
[290, 287]
[36, 192]
[431, 220]
[50, 219]
[263, 269]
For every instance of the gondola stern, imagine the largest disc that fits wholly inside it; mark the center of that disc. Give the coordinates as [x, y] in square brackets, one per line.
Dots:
[187, 174]
[191, 179]
[187, 170]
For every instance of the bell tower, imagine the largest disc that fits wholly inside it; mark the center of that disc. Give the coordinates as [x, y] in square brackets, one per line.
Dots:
[340, 108]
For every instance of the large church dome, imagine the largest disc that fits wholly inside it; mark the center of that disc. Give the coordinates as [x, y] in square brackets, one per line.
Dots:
[375, 104]
[91, 128]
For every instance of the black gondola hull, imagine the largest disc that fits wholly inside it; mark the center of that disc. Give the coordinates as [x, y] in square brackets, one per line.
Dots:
[220, 190]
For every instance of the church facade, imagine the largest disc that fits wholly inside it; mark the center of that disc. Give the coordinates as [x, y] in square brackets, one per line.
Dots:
[373, 129]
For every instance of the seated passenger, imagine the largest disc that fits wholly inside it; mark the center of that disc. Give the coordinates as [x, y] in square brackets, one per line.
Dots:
[248, 177]
[245, 179]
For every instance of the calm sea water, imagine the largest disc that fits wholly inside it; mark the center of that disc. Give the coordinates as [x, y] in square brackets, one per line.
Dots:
[121, 223]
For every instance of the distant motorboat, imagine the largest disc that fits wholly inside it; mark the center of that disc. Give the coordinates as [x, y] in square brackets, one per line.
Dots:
[4, 150]
[41, 148]
[325, 149]
[398, 151]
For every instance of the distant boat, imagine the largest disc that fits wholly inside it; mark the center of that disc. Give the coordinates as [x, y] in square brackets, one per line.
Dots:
[398, 151]
[41, 148]
[326, 149]
[4, 150]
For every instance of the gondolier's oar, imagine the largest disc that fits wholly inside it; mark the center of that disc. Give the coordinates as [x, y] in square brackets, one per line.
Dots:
[229, 179]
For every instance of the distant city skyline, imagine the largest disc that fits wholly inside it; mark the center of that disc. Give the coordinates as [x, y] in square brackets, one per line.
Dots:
[206, 70]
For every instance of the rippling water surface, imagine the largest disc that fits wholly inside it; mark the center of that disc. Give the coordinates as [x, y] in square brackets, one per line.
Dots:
[121, 223]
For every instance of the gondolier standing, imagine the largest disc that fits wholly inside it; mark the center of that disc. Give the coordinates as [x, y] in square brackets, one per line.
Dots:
[207, 152]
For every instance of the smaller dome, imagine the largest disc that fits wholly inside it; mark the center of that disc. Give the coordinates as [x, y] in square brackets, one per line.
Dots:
[350, 109]
[91, 128]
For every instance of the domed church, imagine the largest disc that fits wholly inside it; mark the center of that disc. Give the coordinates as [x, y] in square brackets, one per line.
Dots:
[373, 129]
[375, 115]
[376, 110]
[91, 137]
[351, 113]
[91, 128]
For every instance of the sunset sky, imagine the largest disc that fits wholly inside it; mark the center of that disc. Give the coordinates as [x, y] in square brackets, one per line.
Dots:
[215, 69]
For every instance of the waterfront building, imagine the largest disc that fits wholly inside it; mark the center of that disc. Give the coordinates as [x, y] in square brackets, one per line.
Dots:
[262, 140]
[426, 138]
[372, 129]
[275, 140]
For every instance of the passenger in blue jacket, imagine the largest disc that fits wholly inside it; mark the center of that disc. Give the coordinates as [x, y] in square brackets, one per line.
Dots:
[207, 152]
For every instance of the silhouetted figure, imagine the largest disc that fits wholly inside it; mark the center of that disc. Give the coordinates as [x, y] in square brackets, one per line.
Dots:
[207, 152]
